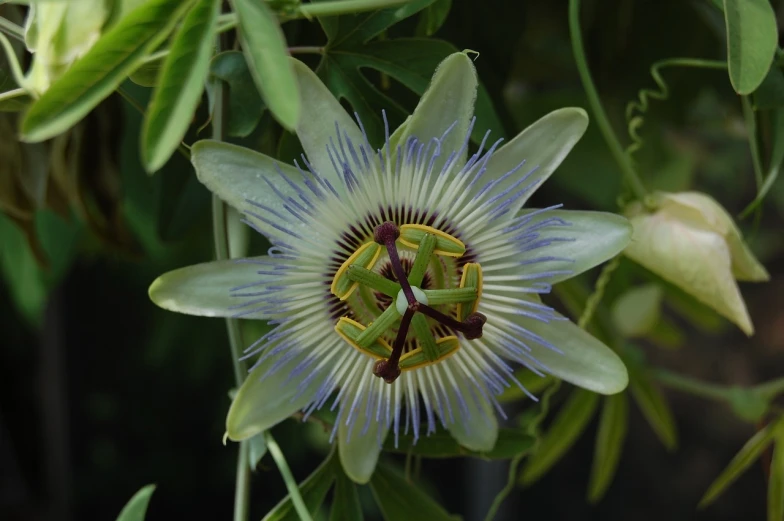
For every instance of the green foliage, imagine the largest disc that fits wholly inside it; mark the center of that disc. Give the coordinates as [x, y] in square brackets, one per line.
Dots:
[747, 455]
[136, 508]
[751, 42]
[180, 85]
[313, 490]
[265, 51]
[511, 443]
[570, 422]
[245, 104]
[400, 500]
[99, 72]
[345, 503]
[613, 426]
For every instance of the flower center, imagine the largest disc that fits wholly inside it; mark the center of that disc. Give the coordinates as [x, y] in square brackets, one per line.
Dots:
[409, 306]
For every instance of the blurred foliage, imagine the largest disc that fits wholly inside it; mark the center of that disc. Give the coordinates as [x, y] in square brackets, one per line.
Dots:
[693, 92]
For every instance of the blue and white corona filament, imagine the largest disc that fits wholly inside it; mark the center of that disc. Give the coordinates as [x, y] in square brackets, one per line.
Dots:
[403, 282]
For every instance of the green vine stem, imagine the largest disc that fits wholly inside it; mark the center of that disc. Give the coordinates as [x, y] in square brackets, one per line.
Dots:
[623, 160]
[596, 297]
[750, 120]
[288, 478]
[221, 239]
[11, 29]
[692, 386]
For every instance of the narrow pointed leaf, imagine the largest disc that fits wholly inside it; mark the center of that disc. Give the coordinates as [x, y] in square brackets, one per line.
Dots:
[180, 85]
[136, 508]
[655, 408]
[613, 425]
[570, 422]
[751, 42]
[99, 72]
[747, 455]
[345, 503]
[313, 490]
[265, 49]
[776, 482]
[400, 500]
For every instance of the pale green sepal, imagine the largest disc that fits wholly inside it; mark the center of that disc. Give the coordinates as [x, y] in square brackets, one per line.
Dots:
[448, 100]
[543, 145]
[237, 175]
[586, 240]
[688, 245]
[316, 128]
[583, 361]
[359, 449]
[267, 397]
[203, 289]
[478, 430]
[706, 211]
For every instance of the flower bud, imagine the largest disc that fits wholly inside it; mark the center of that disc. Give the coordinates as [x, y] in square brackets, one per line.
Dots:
[691, 241]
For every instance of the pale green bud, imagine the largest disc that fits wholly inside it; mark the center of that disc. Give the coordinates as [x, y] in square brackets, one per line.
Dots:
[58, 33]
[691, 241]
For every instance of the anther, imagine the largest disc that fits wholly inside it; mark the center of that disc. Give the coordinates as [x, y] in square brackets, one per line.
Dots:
[471, 327]
[387, 233]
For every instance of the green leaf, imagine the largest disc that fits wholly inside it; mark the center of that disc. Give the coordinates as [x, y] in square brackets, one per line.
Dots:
[752, 37]
[433, 17]
[345, 503]
[441, 444]
[613, 425]
[776, 159]
[654, 407]
[637, 311]
[776, 481]
[749, 453]
[266, 51]
[147, 73]
[136, 508]
[245, 104]
[313, 490]
[11, 103]
[21, 275]
[570, 422]
[410, 61]
[99, 72]
[180, 85]
[256, 450]
[400, 500]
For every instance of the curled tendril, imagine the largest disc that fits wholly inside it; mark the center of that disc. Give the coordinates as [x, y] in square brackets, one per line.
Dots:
[635, 110]
[596, 297]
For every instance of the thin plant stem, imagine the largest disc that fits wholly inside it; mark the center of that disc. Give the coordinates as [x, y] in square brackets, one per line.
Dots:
[313, 10]
[751, 129]
[623, 160]
[771, 389]
[11, 94]
[306, 49]
[221, 238]
[692, 386]
[16, 69]
[288, 478]
[511, 481]
[11, 29]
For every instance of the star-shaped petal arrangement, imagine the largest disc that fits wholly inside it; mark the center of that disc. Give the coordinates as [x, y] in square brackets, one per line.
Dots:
[404, 282]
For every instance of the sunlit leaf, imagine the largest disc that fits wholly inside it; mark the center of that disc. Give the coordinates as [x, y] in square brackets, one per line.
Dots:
[752, 36]
[136, 508]
[313, 490]
[180, 85]
[265, 48]
[400, 500]
[613, 424]
[747, 455]
[570, 422]
[99, 72]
